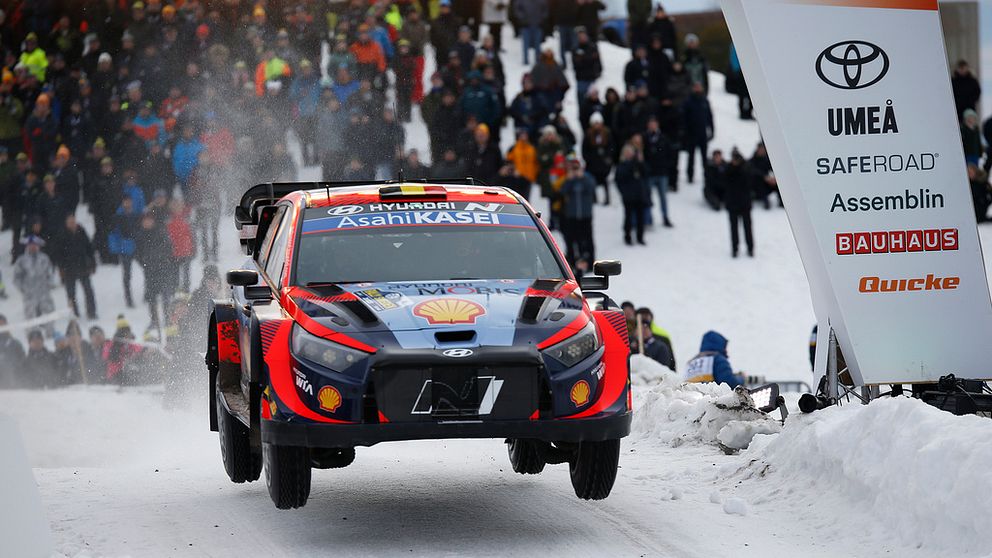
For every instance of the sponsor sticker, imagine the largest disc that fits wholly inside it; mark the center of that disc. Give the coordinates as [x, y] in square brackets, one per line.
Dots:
[449, 311]
[303, 383]
[931, 282]
[329, 398]
[580, 393]
[380, 300]
[895, 242]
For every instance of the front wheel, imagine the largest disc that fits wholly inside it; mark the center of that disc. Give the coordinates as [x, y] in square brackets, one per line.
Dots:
[287, 475]
[240, 463]
[594, 469]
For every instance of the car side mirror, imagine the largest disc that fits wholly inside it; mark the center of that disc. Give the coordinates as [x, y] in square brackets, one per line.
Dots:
[600, 279]
[242, 277]
[607, 268]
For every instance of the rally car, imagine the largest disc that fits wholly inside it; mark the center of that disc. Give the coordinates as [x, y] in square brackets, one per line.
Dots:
[385, 311]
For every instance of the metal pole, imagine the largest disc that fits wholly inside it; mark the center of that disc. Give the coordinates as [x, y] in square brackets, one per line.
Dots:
[832, 383]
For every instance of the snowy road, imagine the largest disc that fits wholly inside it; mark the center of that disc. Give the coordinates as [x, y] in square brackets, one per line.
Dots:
[120, 476]
[152, 484]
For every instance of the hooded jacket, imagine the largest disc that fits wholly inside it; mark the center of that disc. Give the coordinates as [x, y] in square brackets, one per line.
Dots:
[711, 364]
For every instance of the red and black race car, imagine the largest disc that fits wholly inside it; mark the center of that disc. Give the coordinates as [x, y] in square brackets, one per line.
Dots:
[388, 311]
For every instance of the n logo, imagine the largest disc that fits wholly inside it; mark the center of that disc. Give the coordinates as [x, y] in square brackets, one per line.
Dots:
[476, 396]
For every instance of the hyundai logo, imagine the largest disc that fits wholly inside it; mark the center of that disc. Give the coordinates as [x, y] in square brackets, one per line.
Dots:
[458, 353]
[852, 65]
[345, 210]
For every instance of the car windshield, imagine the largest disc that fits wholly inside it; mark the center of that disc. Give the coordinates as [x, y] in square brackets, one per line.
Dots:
[383, 246]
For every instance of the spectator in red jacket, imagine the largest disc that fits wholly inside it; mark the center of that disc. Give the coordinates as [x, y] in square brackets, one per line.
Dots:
[181, 236]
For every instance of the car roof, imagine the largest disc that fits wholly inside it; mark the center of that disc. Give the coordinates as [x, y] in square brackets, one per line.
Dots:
[371, 193]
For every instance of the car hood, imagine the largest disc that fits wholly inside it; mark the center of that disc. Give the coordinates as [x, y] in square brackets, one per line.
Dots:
[491, 309]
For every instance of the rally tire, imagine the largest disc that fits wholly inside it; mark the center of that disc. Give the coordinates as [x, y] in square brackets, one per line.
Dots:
[524, 456]
[287, 475]
[594, 469]
[240, 463]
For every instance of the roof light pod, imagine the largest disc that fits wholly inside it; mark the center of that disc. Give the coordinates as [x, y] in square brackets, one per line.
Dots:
[412, 191]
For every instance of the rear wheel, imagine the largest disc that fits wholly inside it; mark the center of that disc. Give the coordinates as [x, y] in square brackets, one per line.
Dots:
[235, 448]
[524, 456]
[594, 469]
[287, 474]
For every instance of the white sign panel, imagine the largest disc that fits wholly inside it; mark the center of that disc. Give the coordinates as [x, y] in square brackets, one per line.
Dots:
[855, 106]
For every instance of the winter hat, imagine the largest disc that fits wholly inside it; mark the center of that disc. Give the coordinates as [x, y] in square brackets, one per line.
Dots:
[32, 36]
[8, 76]
[596, 118]
[202, 31]
[33, 239]
[691, 38]
[548, 129]
[43, 100]
[63, 151]
[305, 63]
[168, 9]
[48, 177]
[99, 142]
[106, 161]
[104, 57]
[21, 156]
[139, 5]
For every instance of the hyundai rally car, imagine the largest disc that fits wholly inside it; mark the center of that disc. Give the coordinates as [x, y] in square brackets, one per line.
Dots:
[378, 312]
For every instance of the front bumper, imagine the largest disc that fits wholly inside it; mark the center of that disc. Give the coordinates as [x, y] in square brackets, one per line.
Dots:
[322, 435]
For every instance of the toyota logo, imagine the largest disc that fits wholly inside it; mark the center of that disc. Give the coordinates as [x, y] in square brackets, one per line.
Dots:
[458, 353]
[852, 65]
[345, 210]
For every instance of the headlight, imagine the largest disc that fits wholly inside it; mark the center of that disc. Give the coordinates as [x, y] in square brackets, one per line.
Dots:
[323, 352]
[577, 347]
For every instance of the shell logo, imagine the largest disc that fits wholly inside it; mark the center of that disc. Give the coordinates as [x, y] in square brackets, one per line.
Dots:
[448, 311]
[580, 393]
[329, 398]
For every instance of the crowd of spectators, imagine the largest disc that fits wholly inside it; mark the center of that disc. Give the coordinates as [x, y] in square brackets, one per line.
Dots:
[151, 116]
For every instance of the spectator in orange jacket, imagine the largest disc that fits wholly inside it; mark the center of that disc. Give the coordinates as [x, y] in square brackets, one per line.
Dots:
[368, 54]
[523, 155]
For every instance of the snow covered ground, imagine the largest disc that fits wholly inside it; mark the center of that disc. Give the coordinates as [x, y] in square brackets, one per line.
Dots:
[120, 475]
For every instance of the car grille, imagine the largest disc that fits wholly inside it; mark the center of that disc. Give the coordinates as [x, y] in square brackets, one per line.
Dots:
[457, 392]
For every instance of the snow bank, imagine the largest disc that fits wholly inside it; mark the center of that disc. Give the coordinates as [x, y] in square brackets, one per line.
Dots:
[925, 474]
[23, 526]
[675, 413]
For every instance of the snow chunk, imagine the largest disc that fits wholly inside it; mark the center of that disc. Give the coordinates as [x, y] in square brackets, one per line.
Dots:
[674, 412]
[923, 472]
[735, 506]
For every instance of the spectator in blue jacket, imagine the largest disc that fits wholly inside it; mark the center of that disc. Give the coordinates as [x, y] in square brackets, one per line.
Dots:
[579, 194]
[480, 100]
[711, 364]
[186, 157]
[121, 241]
[304, 94]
